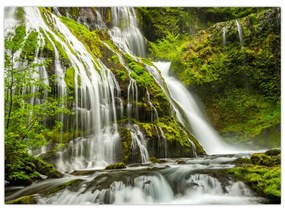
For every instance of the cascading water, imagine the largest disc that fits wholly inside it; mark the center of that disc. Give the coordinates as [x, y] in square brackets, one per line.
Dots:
[94, 98]
[224, 30]
[139, 143]
[125, 32]
[239, 29]
[161, 184]
[207, 136]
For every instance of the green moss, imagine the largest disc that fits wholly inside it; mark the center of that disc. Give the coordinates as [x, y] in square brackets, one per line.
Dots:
[126, 140]
[273, 152]
[148, 128]
[262, 175]
[145, 79]
[69, 78]
[266, 160]
[20, 14]
[155, 160]
[23, 200]
[170, 129]
[89, 39]
[240, 85]
[264, 180]
[74, 12]
[108, 16]
[119, 165]
[62, 53]
[176, 134]
[242, 161]
[122, 74]
[58, 187]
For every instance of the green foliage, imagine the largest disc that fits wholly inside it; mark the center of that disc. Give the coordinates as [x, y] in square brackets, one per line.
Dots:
[17, 40]
[24, 119]
[119, 165]
[157, 22]
[30, 46]
[168, 47]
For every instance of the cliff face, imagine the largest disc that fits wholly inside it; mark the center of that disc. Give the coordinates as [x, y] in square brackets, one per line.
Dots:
[231, 58]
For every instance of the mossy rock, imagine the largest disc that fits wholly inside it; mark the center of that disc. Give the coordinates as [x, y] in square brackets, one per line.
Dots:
[263, 176]
[181, 162]
[155, 160]
[273, 152]
[23, 200]
[264, 180]
[19, 178]
[46, 169]
[119, 165]
[126, 141]
[262, 159]
[242, 161]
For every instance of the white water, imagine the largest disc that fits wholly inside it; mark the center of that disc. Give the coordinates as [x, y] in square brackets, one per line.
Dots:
[224, 30]
[95, 95]
[204, 132]
[239, 29]
[176, 184]
[139, 143]
[125, 32]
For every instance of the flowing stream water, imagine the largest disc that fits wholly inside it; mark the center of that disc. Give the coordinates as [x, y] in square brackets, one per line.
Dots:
[97, 105]
[194, 182]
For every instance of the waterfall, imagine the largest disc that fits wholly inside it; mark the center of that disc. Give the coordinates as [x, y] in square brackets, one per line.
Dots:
[139, 143]
[224, 30]
[95, 92]
[206, 135]
[239, 29]
[154, 113]
[125, 32]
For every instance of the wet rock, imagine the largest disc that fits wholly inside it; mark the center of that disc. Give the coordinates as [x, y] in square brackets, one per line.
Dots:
[262, 159]
[273, 152]
[241, 161]
[83, 172]
[119, 165]
[23, 200]
[181, 162]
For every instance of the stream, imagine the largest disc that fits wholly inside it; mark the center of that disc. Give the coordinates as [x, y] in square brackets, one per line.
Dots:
[200, 180]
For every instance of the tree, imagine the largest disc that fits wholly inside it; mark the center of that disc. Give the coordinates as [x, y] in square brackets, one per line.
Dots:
[27, 107]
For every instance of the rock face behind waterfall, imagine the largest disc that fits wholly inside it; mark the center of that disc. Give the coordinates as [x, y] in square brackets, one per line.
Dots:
[234, 67]
[119, 108]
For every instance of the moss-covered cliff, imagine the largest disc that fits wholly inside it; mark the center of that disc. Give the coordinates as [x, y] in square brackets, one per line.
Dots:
[237, 76]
